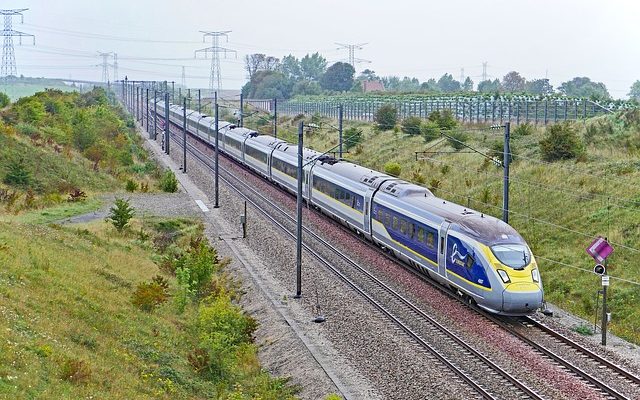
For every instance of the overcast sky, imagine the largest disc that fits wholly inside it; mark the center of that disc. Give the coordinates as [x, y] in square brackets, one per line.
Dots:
[559, 39]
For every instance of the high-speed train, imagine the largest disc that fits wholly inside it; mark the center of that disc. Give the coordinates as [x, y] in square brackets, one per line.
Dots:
[480, 257]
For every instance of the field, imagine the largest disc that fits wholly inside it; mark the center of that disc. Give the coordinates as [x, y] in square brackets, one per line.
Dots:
[557, 206]
[24, 87]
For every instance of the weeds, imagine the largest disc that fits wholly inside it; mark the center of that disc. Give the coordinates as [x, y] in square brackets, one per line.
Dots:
[168, 182]
[75, 371]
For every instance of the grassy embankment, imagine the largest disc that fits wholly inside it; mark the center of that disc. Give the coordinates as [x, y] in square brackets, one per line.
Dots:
[54, 145]
[556, 206]
[88, 312]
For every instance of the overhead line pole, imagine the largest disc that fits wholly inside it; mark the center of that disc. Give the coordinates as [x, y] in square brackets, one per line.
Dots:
[299, 213]
[217, 198]
[505, 186]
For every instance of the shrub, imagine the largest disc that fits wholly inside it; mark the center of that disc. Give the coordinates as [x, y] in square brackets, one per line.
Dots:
[393, 168]
[418, 177]
[497, 151]
[27, 129]
[430, 130]
[222, 328]
[17, 173]
[457, 140]
[168, 182]
[525, 129]
[131, 185]
[75, 371]
[4, 100]
[120, 214]
[149, 295]
[444, 119]
[411, 125]
[351, 137]
[386, 117]
[76, 195]
[561, 142]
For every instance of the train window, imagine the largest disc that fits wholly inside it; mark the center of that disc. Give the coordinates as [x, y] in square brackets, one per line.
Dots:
[421, 234]
[412, 230]
[387, 217]
[430, 239]
[347, 196]
[395, 223]
[469, 261]
[403, 226]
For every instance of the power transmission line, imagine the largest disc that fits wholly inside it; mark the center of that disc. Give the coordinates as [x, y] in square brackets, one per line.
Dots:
[352, 51]
[8, 55]
[215, 49]
[105, 65]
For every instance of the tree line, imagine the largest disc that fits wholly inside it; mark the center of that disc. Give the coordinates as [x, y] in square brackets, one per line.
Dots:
[271, 77]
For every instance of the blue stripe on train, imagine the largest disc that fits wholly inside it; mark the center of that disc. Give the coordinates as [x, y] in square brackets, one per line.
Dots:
[462, 262]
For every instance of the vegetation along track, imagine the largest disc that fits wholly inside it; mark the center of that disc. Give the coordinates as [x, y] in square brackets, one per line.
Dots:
[467, 363]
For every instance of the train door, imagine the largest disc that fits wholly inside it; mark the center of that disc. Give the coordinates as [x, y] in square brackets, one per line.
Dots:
[442, 248]
[368, 206]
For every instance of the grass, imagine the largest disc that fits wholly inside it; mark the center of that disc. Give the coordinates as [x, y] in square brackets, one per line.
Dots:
[558, 207]
[29, 86]
[70, 329]
[55, 213]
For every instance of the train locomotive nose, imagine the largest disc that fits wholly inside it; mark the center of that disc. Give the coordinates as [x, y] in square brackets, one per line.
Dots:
[521, 298]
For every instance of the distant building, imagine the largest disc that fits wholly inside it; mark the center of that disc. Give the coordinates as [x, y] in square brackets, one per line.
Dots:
[372, 86]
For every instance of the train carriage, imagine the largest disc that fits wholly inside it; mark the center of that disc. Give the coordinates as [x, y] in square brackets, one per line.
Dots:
[257, 153]
[336, 189]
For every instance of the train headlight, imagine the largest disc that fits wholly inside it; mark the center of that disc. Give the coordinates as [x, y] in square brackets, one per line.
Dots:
[535, 275]
[504, 276]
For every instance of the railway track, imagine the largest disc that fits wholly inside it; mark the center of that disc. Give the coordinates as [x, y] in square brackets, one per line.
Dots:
[467, 363]
[619, 379]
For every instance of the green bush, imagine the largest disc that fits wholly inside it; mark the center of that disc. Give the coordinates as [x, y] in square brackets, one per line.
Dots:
[393, 168]
[4, 100]
[497, 151]
[120, 214]
[131, 185]
[223, 330]
[561, 142]
[149, 295]
[525, 129]
[411, 125]
[443, 118]
[457, 139]
[430, 130]
[168, 182]
[17, 173]
[386, 117]
[351, 137]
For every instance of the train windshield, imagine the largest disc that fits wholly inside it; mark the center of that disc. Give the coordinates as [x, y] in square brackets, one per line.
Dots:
[515, 256]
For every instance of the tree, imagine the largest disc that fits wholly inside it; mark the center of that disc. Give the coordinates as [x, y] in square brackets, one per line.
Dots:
[368, 75]
[489, 86]
[447, 84]
[430, 86]
[513, 82]
[290, 67]
[467, 86]
[253, 62]
[634, 93]
[306, 88]
[338, 77]
[312, 66]
[561, 142]
[268, 85]
[260, 62]
[539, 86]
[120, 214]
[409, 85]
[386, 117]
[411, 125]
[584, 87]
